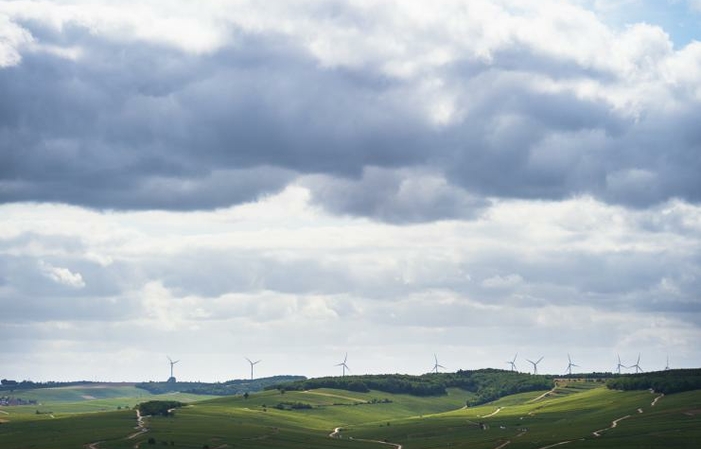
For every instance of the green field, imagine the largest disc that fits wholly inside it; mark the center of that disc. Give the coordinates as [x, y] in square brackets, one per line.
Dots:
[569, 414]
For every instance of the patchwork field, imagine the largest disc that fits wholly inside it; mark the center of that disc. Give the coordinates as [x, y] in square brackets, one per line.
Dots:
[576, 414]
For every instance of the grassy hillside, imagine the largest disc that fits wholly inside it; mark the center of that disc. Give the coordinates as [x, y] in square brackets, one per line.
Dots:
[70, 400]
[570, 412]
[485, 384]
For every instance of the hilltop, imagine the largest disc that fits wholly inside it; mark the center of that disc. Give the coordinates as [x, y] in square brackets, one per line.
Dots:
[485, 384]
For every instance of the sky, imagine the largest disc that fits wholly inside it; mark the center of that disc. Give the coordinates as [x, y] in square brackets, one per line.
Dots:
[294, 181]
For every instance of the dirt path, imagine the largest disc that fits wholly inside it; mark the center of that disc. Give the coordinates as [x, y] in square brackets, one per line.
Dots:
[337, 434]
[614, 424]
[336, 396]
[493, 413]
[556, 444]
[543, 395]
[4, 412]
[503, 444]
[652, 404]
[140, 424]
[397, 446]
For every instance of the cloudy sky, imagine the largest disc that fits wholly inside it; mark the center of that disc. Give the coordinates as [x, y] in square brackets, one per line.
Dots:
[290, 181]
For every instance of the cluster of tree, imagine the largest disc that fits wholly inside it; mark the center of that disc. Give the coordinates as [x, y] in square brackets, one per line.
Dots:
[293, 406]
[670, 381]
[11, 385]
[490, 384]
[162, 408]
[230, 387]
[487, 384]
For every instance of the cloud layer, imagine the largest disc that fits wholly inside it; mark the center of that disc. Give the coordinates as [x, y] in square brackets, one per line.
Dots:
[169, 108]
[306, 178]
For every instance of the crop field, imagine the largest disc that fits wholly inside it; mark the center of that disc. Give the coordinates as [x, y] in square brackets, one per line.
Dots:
[575, 414]
[84, 399]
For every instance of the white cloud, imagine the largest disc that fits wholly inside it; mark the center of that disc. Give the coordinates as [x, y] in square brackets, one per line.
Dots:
[508, 281]
[62, 276]
[12, 39]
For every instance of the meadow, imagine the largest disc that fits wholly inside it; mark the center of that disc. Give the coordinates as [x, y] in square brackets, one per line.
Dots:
[569, 414]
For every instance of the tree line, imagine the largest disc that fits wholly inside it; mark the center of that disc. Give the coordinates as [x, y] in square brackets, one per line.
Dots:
[486, 384]
[230, 387]
[158, 408]
[667, 382]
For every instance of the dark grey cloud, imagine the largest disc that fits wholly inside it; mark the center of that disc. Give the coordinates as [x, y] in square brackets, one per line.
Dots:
[139, 125]
[395, 196]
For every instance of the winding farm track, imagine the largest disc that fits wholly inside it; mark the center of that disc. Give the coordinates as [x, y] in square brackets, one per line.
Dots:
[556, 444]
[397, 446]
[614, 424]
[543, 395]
[140, 424]
[318, 393]
[493, 413]
[337, 434]
[652, 404]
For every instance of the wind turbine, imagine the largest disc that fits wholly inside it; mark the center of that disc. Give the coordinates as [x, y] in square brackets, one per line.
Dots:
[437, 365]
[252, 364]
[535, 365]
[637, 366]
[513, 363]
[570, 365]
[620, 365]
[171, 368]
[343, 364]
[666, 367]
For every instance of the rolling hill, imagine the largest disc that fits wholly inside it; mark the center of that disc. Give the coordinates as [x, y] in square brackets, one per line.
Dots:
[577, 413]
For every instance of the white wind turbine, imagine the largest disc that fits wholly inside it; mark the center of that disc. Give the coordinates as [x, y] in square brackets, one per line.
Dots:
[535, 364]
[171, 367]
[343, 365]
[436, 365]
[252, 365]
[570, 365]
[637, 366]
[513, 363]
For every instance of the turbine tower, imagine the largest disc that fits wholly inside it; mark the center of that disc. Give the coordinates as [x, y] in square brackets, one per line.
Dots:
[171, 378]
[620, 365]
[637, 366]
[535, 364]
[252, 364]
[437, 365]
[343, 365]
[666, 367]
[513, 363]
[570, 365]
